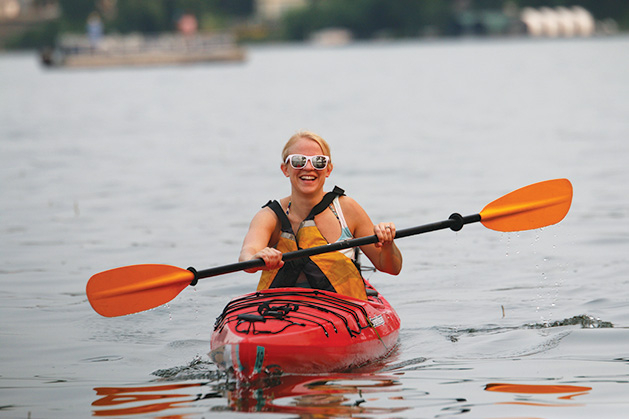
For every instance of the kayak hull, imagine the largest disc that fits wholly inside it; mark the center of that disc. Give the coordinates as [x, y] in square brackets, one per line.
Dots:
[302, 331]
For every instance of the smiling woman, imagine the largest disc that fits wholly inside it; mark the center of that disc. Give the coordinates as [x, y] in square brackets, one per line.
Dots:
[310, 217]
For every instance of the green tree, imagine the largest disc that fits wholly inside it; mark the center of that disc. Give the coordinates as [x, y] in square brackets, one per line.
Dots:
[76, 10]
[146, 16]
[367, 18]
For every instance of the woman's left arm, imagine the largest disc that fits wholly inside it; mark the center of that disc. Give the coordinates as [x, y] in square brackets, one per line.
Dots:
[384, 254]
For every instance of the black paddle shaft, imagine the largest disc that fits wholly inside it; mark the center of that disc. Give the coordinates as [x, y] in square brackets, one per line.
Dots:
[455, 223]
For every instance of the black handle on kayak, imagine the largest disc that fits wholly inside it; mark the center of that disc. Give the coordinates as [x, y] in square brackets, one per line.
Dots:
[455, 222]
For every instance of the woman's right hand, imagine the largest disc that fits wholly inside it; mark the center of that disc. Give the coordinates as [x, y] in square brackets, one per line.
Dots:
[272, 259]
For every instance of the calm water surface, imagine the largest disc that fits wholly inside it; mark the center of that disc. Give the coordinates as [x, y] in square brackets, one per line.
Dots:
[107, 168]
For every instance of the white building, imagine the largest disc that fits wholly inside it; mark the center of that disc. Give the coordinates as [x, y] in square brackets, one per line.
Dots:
[273, 9]
[558, 22]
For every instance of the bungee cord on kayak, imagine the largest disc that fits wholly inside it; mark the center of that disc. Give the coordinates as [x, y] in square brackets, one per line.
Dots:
[285, 307]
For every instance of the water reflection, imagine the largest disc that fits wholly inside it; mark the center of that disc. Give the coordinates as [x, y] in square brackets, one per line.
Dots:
[307, 396]
[123, 401]
[524, 392]
[332, 395]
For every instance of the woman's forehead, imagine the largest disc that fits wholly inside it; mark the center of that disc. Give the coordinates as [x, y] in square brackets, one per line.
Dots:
[306, 145]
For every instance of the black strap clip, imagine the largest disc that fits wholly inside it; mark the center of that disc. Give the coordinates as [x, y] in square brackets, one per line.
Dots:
[195, 280]
[457, 221]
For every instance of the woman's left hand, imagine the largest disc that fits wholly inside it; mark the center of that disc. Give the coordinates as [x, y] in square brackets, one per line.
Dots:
[385, 233]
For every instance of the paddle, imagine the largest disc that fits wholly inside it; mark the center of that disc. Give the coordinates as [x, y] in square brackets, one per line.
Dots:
[136, 288]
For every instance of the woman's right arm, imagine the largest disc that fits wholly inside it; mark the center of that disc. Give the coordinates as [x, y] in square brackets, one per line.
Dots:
[262, 232]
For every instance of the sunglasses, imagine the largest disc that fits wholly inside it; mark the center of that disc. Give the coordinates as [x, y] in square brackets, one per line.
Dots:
[299, 161]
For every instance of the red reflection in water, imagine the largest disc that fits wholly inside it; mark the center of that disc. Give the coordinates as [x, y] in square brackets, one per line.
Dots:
[329, 396]
[333, 395]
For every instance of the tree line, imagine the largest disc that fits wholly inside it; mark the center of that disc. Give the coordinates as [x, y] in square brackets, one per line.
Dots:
[364, 18]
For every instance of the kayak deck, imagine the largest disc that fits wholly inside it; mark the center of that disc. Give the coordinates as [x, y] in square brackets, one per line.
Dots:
[302, 331]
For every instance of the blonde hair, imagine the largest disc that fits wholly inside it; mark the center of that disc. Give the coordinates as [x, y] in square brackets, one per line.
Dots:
[325, 147]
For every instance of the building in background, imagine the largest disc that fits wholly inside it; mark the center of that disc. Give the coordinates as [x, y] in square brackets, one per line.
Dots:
[272, 10]
[543, 22]
[558, 22]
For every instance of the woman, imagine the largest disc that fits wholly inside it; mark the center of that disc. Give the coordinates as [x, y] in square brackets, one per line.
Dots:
[309, 217]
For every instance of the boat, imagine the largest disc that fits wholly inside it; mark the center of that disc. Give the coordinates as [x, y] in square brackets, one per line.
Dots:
[308, 331]
[298, 331]
[302, 331]
[140, 50]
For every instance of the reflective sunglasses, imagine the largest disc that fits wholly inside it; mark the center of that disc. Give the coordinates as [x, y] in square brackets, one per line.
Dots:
[299, 161]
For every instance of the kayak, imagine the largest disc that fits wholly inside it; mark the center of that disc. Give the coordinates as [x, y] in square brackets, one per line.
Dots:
[302, 331]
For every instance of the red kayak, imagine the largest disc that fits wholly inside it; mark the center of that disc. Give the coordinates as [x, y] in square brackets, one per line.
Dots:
[302, 331]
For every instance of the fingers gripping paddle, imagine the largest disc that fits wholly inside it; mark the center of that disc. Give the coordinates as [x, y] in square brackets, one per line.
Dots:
[136, 288]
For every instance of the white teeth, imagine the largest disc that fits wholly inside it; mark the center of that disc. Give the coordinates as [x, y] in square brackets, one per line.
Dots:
[308, 177]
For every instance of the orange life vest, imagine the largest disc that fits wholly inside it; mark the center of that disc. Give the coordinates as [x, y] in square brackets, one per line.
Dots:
[332, 271]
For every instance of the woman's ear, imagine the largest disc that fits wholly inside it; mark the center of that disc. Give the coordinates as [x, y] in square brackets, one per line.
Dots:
[329, 169]
[284, 169]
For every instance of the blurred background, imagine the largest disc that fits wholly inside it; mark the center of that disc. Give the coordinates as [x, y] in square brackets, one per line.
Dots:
[40, 23]
[431, 107]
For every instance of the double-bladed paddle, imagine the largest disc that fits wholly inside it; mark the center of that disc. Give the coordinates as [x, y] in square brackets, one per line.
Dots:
[131, 289]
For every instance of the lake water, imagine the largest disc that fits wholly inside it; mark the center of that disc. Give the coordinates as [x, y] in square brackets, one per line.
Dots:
[107, 168]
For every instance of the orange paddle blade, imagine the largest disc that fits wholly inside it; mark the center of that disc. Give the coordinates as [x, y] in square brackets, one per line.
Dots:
[534, 206]
[136, 288]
